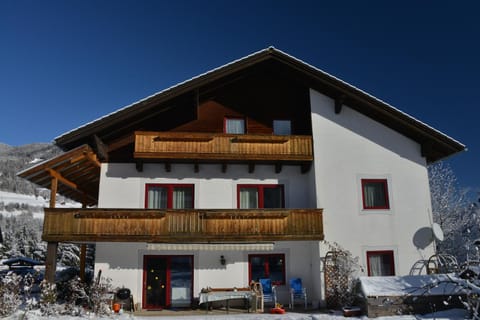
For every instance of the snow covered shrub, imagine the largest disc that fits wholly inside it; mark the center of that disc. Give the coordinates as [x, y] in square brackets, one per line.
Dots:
[100, 296]
[28, 283]
[76, 297]
[48, 298]
[10, 294]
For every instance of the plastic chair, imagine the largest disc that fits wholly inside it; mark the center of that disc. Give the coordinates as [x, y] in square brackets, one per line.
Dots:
[268, 291]
[297, 292]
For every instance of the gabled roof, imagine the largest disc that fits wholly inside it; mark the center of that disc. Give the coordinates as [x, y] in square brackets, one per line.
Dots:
[78, 171]
[435, 144]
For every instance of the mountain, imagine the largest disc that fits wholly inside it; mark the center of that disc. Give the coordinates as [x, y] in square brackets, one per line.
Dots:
[14, 159]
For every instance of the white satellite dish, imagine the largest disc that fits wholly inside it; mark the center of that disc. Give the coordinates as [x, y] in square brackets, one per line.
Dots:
[437, 232]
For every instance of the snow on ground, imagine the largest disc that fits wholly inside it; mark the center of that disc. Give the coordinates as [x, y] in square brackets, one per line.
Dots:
[455, 314]
[31, 201]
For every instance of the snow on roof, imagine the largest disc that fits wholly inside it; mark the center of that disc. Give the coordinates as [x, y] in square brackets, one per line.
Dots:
[435, 284]
[269, 49]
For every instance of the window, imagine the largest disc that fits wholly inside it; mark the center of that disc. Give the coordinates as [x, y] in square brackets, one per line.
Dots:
[260, 196]
[380, 263]
[169, 196]
[375, 194]
[234, 125]
[282, 127]
[271, 266]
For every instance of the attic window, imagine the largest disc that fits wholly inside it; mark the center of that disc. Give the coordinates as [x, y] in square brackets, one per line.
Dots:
[234, 125]
[282, 127]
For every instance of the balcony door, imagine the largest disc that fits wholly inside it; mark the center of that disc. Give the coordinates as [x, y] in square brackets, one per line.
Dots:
[167, 282]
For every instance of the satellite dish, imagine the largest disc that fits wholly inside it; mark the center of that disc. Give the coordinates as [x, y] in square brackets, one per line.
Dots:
[423, 237]
[437, 232]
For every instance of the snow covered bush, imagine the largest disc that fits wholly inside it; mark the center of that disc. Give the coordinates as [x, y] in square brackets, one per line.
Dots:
[100, 296]
[48, 298]
[10, 294]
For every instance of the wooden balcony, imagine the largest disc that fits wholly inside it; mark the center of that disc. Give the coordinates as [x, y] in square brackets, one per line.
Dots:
[222, 147]
[181, 226]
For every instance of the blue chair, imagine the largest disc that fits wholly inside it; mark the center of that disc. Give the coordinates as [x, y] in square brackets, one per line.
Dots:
[297, 292]
[268, 291]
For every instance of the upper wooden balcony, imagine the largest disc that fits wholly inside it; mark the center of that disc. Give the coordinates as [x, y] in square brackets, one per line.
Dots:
[181, 226]
[222, 147]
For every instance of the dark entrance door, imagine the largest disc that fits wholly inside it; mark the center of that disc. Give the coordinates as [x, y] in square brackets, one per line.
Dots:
[155, 282]
[167, 281]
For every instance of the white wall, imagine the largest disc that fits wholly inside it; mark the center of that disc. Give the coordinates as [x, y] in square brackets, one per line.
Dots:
[123, 263]
[122, 186]
[350, 146]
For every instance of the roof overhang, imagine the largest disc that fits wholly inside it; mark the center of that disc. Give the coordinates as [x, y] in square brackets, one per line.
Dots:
[435, 144]
[77, 172]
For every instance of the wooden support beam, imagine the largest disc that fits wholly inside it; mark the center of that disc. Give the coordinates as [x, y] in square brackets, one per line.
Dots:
[53, 192]
[100, 148]
[196, 167]
[139, 166]
[339, 104]
[51, 262]
[168, 167]
[83, 259]
[251, 167]
[92, 157]
[63, 180]
[305, 167]
[122, 142]
[278, 167]
[224, 167]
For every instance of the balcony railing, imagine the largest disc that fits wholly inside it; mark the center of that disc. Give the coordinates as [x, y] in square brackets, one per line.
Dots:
[182, 226]
[209, 146]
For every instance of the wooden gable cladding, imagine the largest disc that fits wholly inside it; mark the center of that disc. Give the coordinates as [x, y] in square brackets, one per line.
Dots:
[211, 116]
[182, 225]
[74, 174]
[163, 146]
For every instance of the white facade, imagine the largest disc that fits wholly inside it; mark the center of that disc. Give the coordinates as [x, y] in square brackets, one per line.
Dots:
[348, 147]
[122, 186]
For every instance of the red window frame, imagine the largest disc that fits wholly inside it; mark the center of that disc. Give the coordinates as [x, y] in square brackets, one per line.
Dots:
[266, 266]
[168, 298]
[388, 253]
[384, 183]
[169, 187]
[225, 119]
[260, 188]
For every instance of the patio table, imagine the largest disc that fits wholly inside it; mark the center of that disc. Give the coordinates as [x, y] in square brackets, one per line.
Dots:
[207, 297]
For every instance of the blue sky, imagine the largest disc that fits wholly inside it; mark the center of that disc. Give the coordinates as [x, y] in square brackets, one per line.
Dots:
[65, 63]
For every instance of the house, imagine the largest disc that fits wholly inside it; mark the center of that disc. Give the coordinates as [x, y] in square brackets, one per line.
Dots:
[241, 173]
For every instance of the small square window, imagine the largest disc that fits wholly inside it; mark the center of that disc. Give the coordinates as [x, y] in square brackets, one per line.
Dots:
[375, 194]
[169, 196]
[380, 263]
[270, 266]
[260, 196]
[282, 127]
[234, 125]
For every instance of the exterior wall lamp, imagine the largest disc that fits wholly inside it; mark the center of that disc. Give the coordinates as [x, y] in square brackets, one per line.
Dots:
[223, 261]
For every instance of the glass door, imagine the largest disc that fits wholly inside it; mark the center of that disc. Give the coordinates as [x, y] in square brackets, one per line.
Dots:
[168, 281]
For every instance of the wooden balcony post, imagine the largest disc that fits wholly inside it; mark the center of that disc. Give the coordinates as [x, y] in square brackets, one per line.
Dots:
[51, 259]
[83, 247]
[83, 256]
